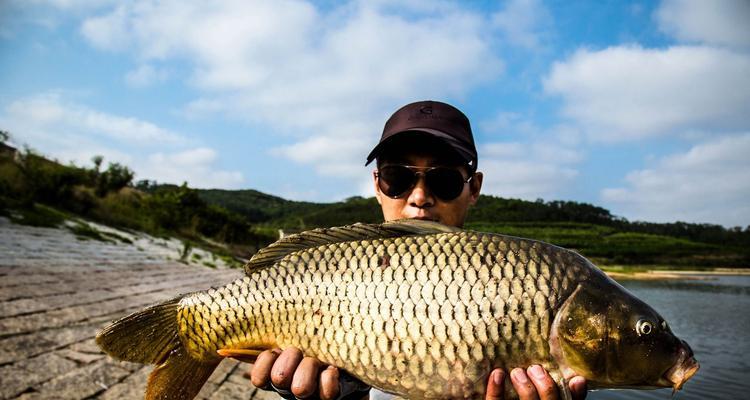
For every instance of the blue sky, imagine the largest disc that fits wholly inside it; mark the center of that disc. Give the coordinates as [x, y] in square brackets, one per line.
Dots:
[641, 107]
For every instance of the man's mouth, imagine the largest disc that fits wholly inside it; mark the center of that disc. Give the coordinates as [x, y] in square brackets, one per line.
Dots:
[425, 217]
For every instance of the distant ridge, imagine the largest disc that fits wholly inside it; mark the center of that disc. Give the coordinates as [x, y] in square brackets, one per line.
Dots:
[238, 222]
[587, 228]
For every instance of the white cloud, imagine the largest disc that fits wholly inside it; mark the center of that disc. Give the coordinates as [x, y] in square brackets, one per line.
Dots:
[528, 170]
[522, 23]
[314, 75]
[71, 4]
[717, 22]
[47, 14]
[50, 112]
[195, 166]
[68, 131]
[629, 92]
[109, 32]
[709, 183]
[504, 123]
[319, 149]
[540, 163]
[525, 179]
[503, 150]
[202, 107]
[145, 75]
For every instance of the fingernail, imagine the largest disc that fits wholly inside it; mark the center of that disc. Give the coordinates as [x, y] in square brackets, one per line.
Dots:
[498, 377]
[577, 384]
[519, 375]
[536, 371]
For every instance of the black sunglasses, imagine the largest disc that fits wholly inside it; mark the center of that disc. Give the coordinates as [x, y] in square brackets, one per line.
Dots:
[444, 182]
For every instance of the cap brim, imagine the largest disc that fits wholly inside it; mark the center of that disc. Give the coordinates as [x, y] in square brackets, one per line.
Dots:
[462, 150]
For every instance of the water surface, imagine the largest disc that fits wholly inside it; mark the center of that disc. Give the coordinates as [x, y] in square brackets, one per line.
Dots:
[713, 316]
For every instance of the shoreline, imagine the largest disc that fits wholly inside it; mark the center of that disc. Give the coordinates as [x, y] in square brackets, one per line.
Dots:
[662, 274]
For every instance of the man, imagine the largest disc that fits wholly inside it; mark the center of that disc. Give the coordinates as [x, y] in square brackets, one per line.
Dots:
[426, 169]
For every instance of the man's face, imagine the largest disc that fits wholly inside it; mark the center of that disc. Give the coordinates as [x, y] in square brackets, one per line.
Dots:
[421, 203]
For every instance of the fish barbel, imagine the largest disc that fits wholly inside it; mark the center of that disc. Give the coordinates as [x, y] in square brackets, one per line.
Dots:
[414, 308]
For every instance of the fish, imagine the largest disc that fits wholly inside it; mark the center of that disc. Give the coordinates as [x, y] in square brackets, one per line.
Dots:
[414, 308]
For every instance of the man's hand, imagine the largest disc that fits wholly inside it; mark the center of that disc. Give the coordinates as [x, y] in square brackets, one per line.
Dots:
[290, 371]
[532, 384]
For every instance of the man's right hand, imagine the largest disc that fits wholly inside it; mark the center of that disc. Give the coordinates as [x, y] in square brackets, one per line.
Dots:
[290, 371]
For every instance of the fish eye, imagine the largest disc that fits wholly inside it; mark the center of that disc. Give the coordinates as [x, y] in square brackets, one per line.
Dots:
[643, 327]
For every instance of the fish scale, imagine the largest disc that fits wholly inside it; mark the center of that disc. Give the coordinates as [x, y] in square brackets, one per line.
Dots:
[381, 311]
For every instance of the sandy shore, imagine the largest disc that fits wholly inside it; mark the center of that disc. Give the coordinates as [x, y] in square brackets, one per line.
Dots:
[674, 274]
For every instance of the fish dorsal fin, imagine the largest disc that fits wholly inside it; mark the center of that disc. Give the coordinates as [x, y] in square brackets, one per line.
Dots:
[348, 233]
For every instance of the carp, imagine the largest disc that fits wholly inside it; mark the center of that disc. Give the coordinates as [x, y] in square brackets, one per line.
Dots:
[414, 308]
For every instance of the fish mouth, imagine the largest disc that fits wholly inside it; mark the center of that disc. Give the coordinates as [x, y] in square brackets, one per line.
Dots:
[684, 369]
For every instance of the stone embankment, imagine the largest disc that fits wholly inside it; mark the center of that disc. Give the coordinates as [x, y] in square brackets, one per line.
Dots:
[57, 291]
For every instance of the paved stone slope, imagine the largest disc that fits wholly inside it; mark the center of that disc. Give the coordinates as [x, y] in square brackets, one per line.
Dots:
[57, 291]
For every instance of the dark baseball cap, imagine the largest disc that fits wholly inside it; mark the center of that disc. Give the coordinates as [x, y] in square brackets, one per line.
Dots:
[440, 120]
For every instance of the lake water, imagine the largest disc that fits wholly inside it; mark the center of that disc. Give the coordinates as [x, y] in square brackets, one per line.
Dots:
[713, 316]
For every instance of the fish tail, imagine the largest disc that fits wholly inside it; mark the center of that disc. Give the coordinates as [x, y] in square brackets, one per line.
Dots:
[150, 336]
[179, 376]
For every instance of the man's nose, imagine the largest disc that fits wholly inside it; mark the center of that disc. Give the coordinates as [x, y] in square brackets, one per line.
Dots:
[420, 195]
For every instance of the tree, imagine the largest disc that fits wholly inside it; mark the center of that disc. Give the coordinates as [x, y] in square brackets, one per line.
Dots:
[116, 177]
[97, 160]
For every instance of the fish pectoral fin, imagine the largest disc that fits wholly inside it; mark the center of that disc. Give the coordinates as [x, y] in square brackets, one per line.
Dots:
[244, 355]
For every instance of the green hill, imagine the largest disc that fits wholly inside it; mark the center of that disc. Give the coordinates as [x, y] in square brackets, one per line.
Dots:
[256, 206]
[591, 230]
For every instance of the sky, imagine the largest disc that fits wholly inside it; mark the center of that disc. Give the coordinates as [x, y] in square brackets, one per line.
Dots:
[640, 107]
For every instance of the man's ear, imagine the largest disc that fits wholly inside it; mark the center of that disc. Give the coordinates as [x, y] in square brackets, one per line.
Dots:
[475, 186]
[378, 193]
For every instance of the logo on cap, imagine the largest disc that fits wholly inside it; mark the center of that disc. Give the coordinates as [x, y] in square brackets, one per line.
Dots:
[426, 110]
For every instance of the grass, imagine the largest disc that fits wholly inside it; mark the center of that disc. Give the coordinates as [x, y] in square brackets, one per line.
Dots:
[85, 231]
[609, 246]
[38, 215]
[116, 236]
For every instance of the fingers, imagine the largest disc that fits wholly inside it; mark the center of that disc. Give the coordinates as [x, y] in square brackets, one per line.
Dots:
[283, 369]
[534, 384]
[545, 386]
[523, 385]
[329, 383]
[578, 387]
[289, 371]
[260, 373]
[305, 380]
[495, 385]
